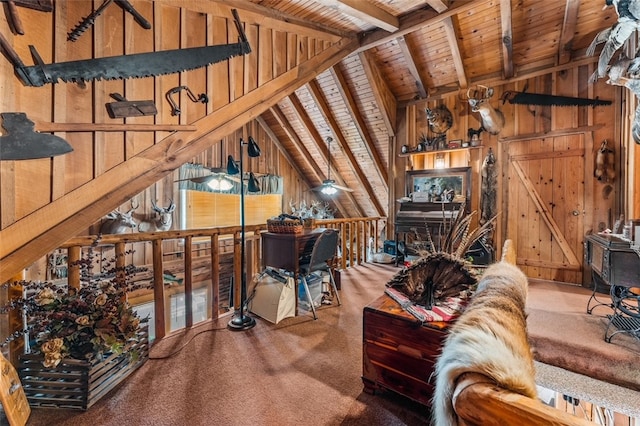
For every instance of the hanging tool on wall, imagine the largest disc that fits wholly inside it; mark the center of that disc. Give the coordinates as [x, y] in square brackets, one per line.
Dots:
[87, 22]
[11, 11]
[175, 110]
[524, 98]
[125, 66]
[21, 142]
[125, 108]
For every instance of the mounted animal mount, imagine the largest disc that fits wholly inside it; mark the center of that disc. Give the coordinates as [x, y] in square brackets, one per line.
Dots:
[440, 119]
[118, 222]
[478, 99]
[162, 219]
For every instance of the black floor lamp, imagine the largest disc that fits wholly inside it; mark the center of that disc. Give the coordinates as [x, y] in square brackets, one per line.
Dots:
[241, 321]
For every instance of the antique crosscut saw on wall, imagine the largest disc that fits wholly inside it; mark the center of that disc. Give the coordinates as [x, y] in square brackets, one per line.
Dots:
[125, 66]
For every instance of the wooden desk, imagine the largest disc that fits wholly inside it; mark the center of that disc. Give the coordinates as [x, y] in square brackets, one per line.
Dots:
[398, 352]
[283, 251]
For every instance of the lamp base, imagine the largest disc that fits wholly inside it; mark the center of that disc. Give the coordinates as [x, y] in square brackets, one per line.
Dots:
[241, 322]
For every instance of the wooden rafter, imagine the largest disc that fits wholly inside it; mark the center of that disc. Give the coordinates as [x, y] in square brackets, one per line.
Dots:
[507, 38]
[381, 92]
[568, 30]
[414, 21]
[359, 122]
[450, 24]
[325, 110]
[411, 64]
[369, 13]
[311, 129]
[438, 5]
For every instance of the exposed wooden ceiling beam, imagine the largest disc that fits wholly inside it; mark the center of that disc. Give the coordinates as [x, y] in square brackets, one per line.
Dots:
[274, 138]
[438, 5]
[414, 21]
[367, 12]
[322, 149]
[299, 145]
[385, 99]
[253, 13]
[360, 124]
[507, 38]
[568, 31]
[325, 110]
[411, 64]
[450, 24]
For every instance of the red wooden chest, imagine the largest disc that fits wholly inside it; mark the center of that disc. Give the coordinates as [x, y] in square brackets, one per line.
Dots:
[399, 352]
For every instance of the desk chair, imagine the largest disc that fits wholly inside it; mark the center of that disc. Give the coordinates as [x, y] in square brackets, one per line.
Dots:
[323, 251]
[626, 311]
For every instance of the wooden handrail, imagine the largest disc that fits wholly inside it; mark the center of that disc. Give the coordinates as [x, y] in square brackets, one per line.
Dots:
[354, 233]
[479, 402]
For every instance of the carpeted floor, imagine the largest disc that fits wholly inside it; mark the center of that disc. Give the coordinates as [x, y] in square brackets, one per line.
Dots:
[299, 371]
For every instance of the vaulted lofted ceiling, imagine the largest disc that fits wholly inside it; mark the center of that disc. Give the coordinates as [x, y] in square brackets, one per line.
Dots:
[410, 51]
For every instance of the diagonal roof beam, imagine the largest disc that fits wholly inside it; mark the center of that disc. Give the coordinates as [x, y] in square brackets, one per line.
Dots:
[411, 64]
[384, 97]
[414, 21]
[322, 148]
[507, 38]
[438, 5]
[359, 122]
[325, 110]
[450, 25]
[369, 13]
[568, 31]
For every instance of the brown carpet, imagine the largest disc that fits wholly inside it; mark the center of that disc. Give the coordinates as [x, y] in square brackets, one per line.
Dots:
[562, 334]
[299, 371]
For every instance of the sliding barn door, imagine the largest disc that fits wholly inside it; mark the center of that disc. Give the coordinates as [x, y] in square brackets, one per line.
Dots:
[545, 206]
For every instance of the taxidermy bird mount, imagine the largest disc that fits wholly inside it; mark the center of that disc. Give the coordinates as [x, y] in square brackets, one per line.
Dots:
[329, 186]
[616, 36]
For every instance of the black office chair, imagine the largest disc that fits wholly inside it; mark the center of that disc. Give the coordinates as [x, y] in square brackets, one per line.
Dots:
[626, 311]
[324, 249]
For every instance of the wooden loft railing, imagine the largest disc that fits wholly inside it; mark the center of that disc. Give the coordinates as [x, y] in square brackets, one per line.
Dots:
[209, 246]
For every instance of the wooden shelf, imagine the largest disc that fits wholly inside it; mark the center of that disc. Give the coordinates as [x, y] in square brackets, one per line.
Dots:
[440, 150]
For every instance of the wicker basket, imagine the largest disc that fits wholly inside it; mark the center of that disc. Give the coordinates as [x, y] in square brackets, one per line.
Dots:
[284, 226]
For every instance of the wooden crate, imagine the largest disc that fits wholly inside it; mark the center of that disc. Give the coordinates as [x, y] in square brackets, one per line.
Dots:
[77, 384]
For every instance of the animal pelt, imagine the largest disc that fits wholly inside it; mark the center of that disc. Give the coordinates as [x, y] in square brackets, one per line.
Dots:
[440, 119]
[489, 188]
[489, 338]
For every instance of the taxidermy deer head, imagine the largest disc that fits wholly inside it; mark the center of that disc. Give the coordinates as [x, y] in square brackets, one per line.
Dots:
[492, 119]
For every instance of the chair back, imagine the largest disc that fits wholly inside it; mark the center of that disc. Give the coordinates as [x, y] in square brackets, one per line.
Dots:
[323, 250]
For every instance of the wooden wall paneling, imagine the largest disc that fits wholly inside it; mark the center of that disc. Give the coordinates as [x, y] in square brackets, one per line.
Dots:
[217, 74]
[279, 49]
[293, 59]
[166, 37]
[236, 64]
[109, 41]
[35, 103]
[266, 57]
[251, 62]
[193, 34]
[138, 40]
[7, 104]
[79, 107]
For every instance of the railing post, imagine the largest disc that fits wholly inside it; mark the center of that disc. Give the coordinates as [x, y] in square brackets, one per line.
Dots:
[73, 266]
[121, 278]
[215, 277]
[158, 290]
[16, 347]
[188, 282]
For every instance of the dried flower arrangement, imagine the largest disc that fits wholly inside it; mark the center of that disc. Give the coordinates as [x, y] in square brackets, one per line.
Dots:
[82, 323]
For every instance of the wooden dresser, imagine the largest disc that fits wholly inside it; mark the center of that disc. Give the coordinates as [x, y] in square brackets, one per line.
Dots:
[398, 352]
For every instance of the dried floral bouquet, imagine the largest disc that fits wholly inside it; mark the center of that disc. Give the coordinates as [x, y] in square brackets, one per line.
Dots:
[82, 323]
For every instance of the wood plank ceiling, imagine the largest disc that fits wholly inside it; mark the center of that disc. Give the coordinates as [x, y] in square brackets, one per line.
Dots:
[410, 51]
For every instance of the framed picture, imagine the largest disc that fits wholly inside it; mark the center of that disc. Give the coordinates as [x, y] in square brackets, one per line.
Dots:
[440, 185]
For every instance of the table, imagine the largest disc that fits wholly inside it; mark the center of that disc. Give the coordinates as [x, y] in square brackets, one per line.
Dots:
[613, 263]
[399, 353]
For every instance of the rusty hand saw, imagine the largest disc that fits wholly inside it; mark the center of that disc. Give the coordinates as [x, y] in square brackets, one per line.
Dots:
[125, 66]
